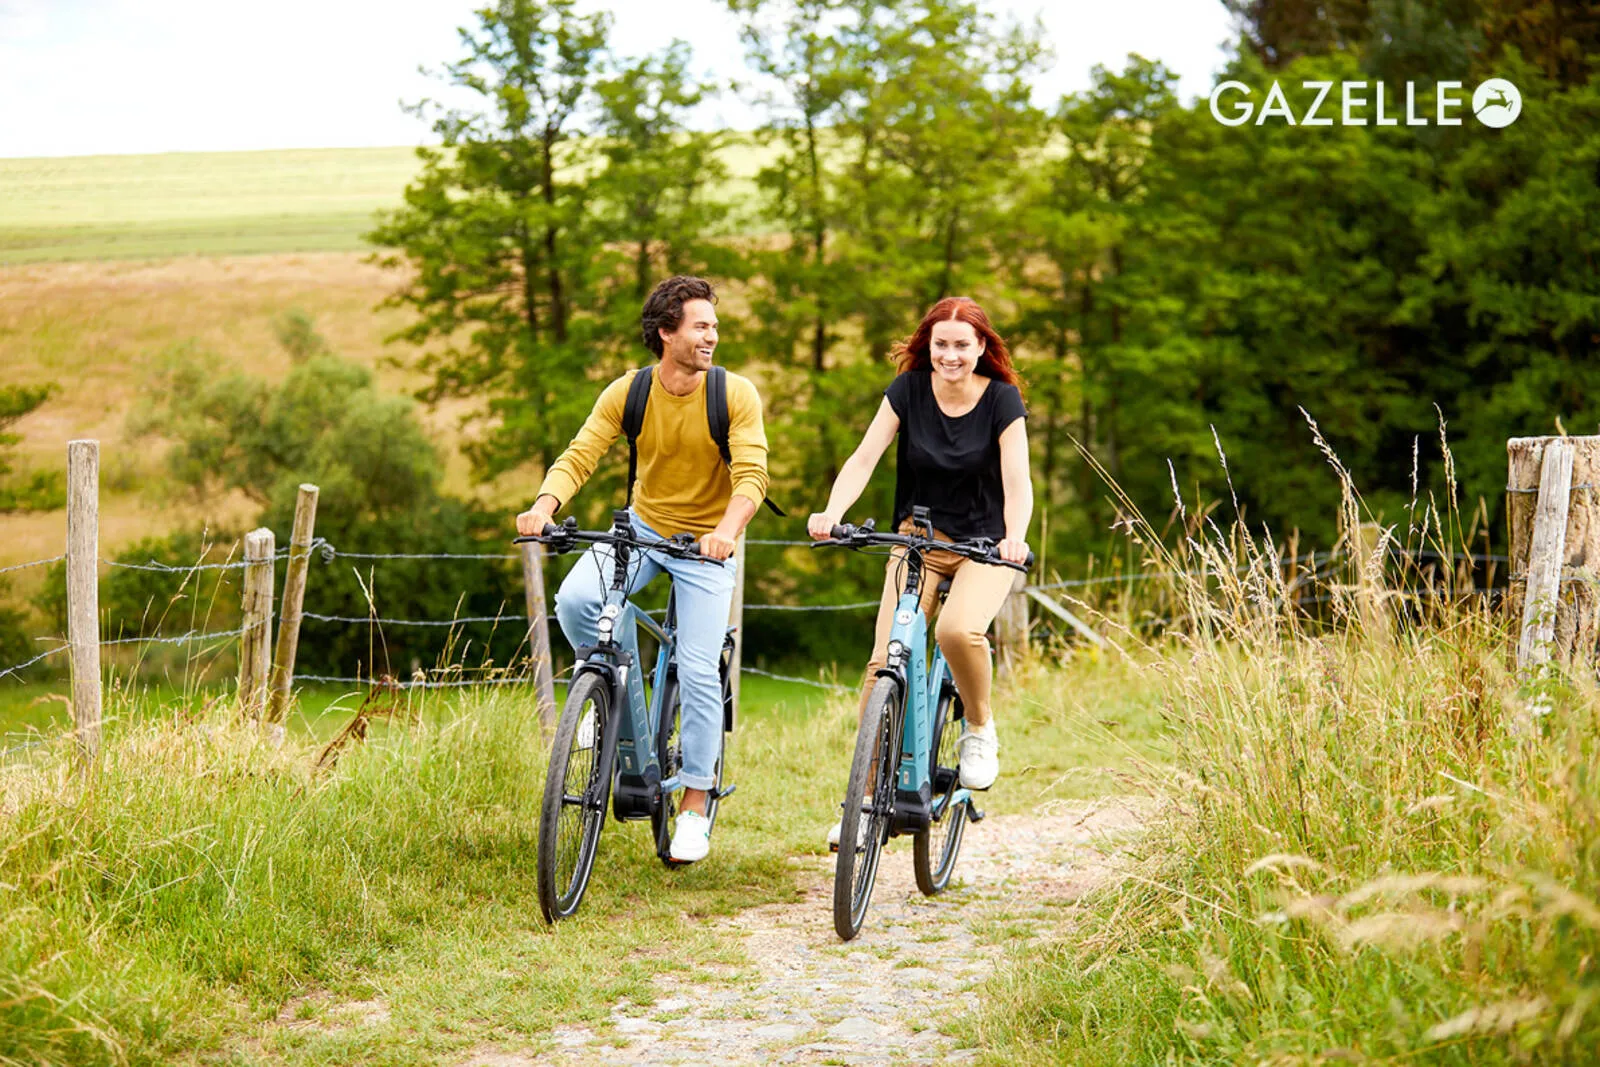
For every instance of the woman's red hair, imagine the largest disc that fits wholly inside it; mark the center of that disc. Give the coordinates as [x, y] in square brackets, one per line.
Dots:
[913, 352]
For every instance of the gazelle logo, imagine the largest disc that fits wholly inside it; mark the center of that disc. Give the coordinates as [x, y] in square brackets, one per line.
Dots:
[1496, 103]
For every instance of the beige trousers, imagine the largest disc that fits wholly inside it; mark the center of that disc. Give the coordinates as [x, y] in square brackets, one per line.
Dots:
[977, 592]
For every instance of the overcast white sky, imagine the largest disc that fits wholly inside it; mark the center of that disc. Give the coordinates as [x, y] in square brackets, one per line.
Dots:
[81, 77]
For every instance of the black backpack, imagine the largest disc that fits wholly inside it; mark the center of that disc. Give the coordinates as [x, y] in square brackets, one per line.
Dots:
[716, 416]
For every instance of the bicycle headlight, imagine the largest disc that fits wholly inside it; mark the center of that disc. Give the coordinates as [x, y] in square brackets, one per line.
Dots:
[896, 649]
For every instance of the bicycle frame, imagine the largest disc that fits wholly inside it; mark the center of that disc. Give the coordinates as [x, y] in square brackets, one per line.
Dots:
[630, 735]
[921, 685]
[618, 655]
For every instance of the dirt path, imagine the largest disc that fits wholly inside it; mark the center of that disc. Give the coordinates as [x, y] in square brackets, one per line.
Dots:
[808, 998]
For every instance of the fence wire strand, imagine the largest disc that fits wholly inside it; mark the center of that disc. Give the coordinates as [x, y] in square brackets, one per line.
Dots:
[31, 563]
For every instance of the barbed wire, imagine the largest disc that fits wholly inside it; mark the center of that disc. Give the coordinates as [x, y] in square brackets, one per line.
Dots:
[178, 639]
[330, 552]
[856, 606]
[419, 622]
[31, 563]
[418, 683]
[41, 656]
[800, 681]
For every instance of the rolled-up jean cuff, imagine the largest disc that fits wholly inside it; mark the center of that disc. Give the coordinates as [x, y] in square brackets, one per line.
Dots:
[694, 781]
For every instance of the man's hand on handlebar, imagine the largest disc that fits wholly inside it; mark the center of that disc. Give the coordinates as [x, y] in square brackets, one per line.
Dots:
[531, 523]
[716, 545]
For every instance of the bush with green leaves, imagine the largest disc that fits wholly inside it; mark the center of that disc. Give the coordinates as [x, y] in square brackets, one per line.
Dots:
[326, 423]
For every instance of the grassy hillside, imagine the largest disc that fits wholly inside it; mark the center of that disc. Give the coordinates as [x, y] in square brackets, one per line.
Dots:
[200, 203]
[96, 329]
[217, 203]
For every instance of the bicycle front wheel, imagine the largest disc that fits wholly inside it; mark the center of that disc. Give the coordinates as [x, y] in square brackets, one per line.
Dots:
[934, 850]
[868, 807]
[577, 790]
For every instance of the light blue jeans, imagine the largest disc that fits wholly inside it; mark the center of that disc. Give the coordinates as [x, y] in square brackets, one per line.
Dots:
[704, 592]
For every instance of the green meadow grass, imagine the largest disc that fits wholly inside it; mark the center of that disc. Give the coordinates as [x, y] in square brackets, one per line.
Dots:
[202, 203]
[201, 883]
[1378, 844]
[221, 203]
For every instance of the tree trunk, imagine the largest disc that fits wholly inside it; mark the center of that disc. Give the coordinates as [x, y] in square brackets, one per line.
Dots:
[558, 299]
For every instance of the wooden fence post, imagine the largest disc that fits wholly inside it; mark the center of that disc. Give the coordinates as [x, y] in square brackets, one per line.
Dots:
[83, 591]
[1555, 547]
[539, 632]
[1011, 627]
[736, 619]
[294, 597]
[255, 642]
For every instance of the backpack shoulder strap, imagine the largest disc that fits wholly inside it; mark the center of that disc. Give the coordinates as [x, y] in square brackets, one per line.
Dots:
[717, 410]
[633, 419]
[717, 416]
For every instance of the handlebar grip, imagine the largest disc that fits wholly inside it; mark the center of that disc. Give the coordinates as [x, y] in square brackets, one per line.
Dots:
[550, 530]
[841, 533]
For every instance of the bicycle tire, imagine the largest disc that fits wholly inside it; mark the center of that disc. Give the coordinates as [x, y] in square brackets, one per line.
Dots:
[876, 754]
[934, 850]
[567, 845]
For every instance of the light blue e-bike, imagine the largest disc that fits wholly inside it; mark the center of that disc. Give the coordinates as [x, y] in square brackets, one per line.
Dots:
[905, 776]
[613, 741]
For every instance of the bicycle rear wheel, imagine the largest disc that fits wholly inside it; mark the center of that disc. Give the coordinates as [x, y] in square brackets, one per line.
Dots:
[577, 790]
[934, 850]
[868, 806]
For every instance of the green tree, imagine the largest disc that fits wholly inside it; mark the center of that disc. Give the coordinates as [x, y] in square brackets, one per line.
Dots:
[1078, 307]
[497, 232]
[379, 477]
[40, 490]
[1506, 294]
[1277, 32]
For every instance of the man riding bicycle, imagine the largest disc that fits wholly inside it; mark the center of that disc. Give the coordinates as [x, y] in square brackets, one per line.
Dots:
[693, 476]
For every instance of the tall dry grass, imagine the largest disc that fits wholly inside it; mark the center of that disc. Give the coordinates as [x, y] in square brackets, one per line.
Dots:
[1374, 848]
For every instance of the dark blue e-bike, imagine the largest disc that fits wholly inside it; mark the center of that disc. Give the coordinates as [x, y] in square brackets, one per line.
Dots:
[615, 744]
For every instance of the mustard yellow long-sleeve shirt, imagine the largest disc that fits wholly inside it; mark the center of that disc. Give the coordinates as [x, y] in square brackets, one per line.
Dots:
[683, 486]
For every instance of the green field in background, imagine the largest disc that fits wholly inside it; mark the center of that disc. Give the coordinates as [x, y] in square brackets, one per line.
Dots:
[216, 203]
[212, 203]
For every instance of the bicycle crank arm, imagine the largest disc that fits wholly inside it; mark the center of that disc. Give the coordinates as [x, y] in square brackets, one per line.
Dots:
[721, 794]
[974, 813]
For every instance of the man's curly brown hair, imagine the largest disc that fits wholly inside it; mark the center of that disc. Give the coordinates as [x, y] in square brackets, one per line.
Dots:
[663, 308]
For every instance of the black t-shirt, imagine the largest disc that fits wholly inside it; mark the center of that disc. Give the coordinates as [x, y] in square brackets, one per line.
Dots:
[951, 466]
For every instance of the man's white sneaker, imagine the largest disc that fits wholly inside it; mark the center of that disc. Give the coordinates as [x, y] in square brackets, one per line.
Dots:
[980, 757]
[691, 838]
[837, 830]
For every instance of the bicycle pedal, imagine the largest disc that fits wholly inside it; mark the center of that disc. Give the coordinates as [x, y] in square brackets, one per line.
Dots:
[723, 794]
[974, 813]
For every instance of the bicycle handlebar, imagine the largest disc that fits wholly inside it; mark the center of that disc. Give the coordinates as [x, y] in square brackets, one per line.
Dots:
[567, 536]
[978, 549]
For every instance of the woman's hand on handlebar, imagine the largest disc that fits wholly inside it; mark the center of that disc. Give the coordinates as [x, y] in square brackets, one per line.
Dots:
[820, 525]
[1013, 550]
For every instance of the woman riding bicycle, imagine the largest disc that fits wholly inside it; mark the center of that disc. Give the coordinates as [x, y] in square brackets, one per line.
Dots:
[963, 454]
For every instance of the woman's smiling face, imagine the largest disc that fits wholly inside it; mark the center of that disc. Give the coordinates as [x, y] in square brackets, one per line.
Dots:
[954, 349]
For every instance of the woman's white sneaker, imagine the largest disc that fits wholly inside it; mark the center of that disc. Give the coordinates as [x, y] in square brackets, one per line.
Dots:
[691, 838]
[980, 757]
